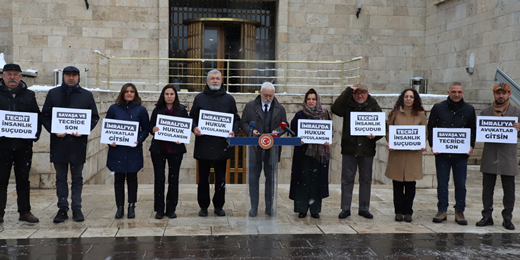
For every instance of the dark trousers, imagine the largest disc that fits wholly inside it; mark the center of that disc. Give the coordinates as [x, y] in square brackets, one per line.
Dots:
[307, 194]
[62, 188]
[22, 160]
[444, 165]
[119, 187]
[404, 193]
[257, 158]
[220, 183]
[174, 166]
[508, 185]
[348, 175]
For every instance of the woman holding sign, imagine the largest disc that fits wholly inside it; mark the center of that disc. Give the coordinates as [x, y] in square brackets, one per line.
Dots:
[310, 166]
[126, 161]
[404, 167]
[162, 151]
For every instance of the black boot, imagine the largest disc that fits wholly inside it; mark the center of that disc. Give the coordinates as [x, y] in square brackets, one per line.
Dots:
[120, 212]
[131, 210]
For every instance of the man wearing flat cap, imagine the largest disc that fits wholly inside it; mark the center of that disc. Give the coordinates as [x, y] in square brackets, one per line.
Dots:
[357, 151]
[14, 96]
[500, 159]
[69, 150]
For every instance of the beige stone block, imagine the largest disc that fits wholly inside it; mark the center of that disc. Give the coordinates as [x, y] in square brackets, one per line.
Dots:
[326, 8]
[380, 22]
[77, 43]
[79, 12]
[20, 40]
[104, 32]
[317, 39]
[119, 14]
[297, 20]
[317, 20]
[294, 48]
[100, 12]
[30, 54]
[377, 63]
[48, 180]
[129, 3]
[385, 10]
[33, 10]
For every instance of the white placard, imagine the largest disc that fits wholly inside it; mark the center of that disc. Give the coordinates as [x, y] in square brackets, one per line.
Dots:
[173, 129]
[451, 140]
[407, 137]
[315, 131]
[366, 123]
[121, 132]
[496, 129]
[23, 125]
[70, 120]
[215, 123]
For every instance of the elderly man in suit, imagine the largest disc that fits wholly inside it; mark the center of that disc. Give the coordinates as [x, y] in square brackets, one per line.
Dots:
[267, 114]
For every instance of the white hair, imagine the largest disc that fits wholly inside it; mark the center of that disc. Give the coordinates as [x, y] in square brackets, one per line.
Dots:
[214, 72]
[267, 85]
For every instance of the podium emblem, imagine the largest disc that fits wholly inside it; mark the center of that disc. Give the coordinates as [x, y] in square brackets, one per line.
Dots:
[265, 141]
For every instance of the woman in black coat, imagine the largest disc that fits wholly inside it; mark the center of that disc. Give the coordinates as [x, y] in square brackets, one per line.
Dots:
[168, 104]
[310, 166]
[126, 161]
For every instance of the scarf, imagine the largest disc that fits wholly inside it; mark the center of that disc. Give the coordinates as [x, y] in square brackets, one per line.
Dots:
[317, 151]
[66, 99]
[500, 110]
[455, 106]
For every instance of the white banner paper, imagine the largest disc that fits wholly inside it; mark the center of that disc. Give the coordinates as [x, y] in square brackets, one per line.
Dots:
[215, 123]
[70, 120]
[451, 140]
[315, 131]
[366, 123]
[121, 132]
[23, 125]
[407, 137]
[173, 129]
[496, 129]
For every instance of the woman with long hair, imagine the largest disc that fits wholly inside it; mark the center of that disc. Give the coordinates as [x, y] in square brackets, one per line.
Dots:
[126, 161]
[310, 166]
[404, 167]
[162, 151]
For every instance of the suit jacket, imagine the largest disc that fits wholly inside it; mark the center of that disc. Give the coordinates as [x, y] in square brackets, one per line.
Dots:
[253, 111]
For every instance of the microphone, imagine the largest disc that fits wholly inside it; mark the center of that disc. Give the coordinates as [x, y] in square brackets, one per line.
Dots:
[283, 125]
[251, 128]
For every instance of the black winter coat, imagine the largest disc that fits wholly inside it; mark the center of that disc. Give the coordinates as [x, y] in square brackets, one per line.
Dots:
[69, 149]
[212, 147]
[155, 147]
[24, 101]
[354, 145]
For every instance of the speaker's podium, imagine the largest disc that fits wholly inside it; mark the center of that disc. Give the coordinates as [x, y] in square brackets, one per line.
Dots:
[263, 155]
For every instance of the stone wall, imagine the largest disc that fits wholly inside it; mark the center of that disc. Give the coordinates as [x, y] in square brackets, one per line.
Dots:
[6, 29]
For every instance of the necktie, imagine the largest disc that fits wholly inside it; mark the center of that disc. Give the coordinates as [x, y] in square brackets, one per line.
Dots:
[265, 110]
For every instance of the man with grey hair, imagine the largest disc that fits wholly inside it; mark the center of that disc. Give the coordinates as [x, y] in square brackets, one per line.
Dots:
[267, 114]
[212, 150]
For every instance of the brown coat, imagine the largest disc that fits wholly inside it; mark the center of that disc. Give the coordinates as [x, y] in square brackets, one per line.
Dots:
[405, 165]
[498, 158]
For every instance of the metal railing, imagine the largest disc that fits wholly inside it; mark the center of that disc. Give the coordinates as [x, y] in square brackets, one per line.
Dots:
[238, 75]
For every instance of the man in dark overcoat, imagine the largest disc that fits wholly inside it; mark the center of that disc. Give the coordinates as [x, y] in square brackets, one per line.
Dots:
[69, 150]
[499, 159]
[267, 114]
[212, 150]
[14, 96]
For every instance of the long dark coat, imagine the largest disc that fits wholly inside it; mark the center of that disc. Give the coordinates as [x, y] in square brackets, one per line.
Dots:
[69, 149]
[500, 159]
[212, 147]
[24, 101]
[125, 158]
[155, 147]
[298, 157]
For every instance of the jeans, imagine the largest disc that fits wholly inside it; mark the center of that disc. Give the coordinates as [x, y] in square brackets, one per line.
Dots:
[444, 164]
[348, 175]
[220, 183]
[62, 188]
[22, 165]
[257, 158]
[174, 165]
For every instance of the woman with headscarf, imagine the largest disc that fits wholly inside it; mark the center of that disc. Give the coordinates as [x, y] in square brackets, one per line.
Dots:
[310, 166]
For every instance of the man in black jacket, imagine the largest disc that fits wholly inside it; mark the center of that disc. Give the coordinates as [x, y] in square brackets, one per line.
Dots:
[14, 96]
[212, 150]
[452, 113]
[69, 149]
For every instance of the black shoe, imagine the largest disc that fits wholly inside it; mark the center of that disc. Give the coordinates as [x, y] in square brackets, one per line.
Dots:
[302, 215]
[61, 216]
[77, 215]
[399, 217]
[203, 212]
[366, 214]
[159, 215]
[508, 225]
[219, 212]
[120, 212]
[485, 222]
[1, 219]
[253, 212]
[171, 215]
[269, 212]
[344, 214]
[408, 218]
[317, 215]
[131, 210]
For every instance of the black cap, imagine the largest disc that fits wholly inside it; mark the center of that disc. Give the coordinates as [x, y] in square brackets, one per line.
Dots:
[12, 66]
[71, 70]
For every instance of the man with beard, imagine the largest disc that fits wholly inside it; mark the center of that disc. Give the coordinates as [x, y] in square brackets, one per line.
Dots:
[500, 159]
[14, 96]
[69, 149]
[213, 150]
[267, 114]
